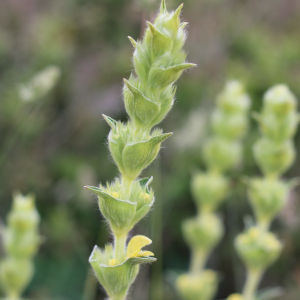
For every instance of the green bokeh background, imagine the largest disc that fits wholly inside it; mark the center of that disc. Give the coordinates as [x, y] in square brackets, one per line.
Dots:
[55, 146]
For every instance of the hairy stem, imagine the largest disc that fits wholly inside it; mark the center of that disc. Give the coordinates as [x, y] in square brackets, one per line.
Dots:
[253, 278]
[13, 296]
[126, 184]
[198, 261]
[120, 242]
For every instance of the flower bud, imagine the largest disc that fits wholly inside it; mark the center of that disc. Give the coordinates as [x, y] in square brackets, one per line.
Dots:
[133, 150]
[267, 197]
[15, 275]
[279, 100]
[277, 128]
[121, 213]
[229, 125]
[233, 98]
[273, 158]
[258, 248]
[209, 189]
[23, 215]
[203, 286]
[203, 232]
[221, 154]
[116, 278]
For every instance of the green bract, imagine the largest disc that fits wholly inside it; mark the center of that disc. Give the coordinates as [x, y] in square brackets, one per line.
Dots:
[115, 279]
[133, 150]
[209, 189]
[221, 154]
[203, 232]
[258, 248]
[202, 286]
[121, 213]
[273, 158]
[267, 196]
[148, 97]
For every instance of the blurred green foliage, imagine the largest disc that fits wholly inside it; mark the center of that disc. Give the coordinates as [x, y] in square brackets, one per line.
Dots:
[55, 146]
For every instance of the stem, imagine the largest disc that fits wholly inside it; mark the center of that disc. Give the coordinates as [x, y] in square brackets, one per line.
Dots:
[120, 241]
[157, 285]
[263, 223]
[90, 287]
[126, 187]
[13, 296]
[253, 278]
[198, 261]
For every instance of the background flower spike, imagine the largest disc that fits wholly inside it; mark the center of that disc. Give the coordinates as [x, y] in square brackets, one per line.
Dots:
[221, 152]
[274, 152]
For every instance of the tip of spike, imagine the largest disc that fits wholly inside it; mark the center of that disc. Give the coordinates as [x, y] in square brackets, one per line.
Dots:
[163, 8]
[178, 10]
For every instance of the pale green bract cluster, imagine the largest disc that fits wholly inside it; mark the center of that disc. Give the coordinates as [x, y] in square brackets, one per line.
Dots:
[148, 96]
[21, 241]
[222, 152]
[274, 152]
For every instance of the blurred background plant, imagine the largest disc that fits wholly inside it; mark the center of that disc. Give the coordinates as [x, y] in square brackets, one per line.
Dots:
[21, 241]
[254, 41]
[274, 152]
[222, 152]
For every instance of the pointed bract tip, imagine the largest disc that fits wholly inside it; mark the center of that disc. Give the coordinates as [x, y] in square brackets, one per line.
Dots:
[151, 27]
[133, 42]
[129, 85]
[110, 121]
[178, 10]
[163, 8]
[184, 24]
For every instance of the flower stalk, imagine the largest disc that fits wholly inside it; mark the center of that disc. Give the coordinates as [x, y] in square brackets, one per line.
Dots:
[274, 152]
[148, 97]
[222, 152]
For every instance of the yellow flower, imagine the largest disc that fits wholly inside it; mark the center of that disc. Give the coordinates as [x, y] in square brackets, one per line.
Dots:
[136, 244]
[235, 297]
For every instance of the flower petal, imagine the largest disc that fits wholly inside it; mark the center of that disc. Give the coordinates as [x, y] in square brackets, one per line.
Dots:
[136, 244]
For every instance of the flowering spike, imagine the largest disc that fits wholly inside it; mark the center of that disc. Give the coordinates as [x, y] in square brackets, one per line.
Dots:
[221, 153]
[149, 93]
[274, 152]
